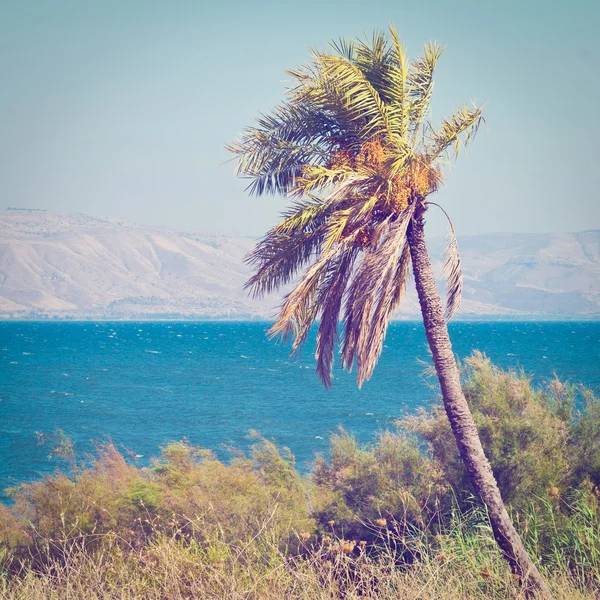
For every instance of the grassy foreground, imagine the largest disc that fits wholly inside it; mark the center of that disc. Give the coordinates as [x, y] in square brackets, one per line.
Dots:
[392, 520]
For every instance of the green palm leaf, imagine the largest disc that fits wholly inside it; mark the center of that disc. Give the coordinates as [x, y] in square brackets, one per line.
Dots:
[463, 122]
[360, 98]
[420, 82]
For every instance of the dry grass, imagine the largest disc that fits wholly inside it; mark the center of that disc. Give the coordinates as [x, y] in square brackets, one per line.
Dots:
[168, 569]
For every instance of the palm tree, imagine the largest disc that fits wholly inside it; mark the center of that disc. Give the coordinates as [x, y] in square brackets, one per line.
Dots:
[353, 147]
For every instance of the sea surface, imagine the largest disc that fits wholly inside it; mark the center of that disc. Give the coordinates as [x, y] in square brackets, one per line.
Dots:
[144, 384]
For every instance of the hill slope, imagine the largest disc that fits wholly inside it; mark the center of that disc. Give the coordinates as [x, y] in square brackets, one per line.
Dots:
[76, 266]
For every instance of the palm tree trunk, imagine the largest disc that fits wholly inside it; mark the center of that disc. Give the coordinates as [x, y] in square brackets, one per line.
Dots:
[461, 419]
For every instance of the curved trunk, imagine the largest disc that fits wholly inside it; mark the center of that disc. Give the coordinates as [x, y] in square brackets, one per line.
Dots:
[461, 420]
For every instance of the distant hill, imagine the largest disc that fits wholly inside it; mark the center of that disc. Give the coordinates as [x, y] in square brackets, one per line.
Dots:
[77, 266]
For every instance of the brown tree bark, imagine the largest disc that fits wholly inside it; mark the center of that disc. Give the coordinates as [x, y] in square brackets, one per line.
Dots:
[461, 419]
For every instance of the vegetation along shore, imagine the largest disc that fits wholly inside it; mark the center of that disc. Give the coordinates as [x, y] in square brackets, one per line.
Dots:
[390, 520]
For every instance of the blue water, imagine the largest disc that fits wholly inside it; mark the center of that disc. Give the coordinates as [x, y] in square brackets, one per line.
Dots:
[143, 384]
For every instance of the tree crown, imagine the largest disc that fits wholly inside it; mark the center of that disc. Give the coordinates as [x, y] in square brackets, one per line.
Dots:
[352, 145]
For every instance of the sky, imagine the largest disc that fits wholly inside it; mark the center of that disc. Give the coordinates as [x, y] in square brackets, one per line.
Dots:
[123, 109]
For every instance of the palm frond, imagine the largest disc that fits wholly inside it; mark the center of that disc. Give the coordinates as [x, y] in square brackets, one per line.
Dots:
[383, 287]
[323, 96]
[360, 98]
[278, 258]
[362, 294]
[395, 86]
[287, 247]
[335, 227]
[372, 57]
[273, 152]
[330, 299]
[390, 294]
[452, 269]
[453, 275]
[316, 178]
[300, 308]
[345, 48]
[420, 82]
[463, 122]
[401, 158]
[303, 213]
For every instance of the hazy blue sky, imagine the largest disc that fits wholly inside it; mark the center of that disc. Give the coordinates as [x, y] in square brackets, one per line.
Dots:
[122, 108]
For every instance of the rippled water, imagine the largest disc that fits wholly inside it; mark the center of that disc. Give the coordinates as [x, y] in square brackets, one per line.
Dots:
[143, 384]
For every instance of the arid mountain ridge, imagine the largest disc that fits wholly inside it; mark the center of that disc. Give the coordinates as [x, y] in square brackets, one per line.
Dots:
[74, 266]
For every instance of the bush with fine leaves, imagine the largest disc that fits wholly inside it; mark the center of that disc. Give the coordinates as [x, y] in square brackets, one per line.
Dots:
[537, 440]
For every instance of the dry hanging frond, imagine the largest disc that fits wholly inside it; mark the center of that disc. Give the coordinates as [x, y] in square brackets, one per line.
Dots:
[453, 275]
[452, 270]
[330, 299]
[379, 262]
[390, 295]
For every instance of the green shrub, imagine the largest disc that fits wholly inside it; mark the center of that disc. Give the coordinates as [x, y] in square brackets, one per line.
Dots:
[537, 440]
[187, 493]
[585, 439]
[360, 487]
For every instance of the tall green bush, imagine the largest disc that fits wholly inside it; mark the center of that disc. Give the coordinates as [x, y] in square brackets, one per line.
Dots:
[538, 441]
